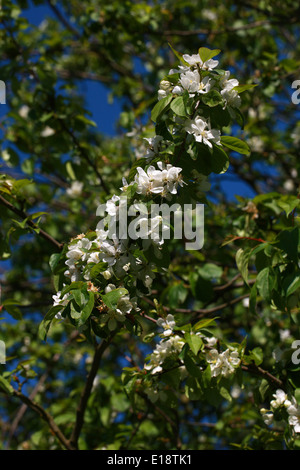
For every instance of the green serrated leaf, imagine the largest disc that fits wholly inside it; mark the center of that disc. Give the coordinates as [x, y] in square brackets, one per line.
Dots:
[242, 260]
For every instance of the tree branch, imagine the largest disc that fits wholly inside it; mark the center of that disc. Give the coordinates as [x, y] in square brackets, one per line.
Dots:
[46, 417]
[23, 215]
[100, 348]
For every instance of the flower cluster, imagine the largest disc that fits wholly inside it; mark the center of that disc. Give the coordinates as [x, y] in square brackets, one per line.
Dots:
[198, 78]
[163, 181]
[124, 306]
[164, 350]
[223, 363]
[281, 403]
[121, 268]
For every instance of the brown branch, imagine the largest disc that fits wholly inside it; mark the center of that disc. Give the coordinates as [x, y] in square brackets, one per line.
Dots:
[99, 350]
[36, 390]
[63, 20]
[23, 215]
[216, 32]
[46, 417]
[252, 368]
[23, 409]
[202, 311]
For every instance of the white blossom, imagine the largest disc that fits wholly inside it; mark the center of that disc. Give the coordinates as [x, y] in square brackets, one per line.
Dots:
[267, 416]
[114, 315]
[58, 300]
[167, 324]
[75, 189]
[47, 132]
[154, 146]
[163, 350]
[280, 397]
[158, 181]
[294, 415]
[194, 60]
[191, 81]
[223, 363]
[202, 131]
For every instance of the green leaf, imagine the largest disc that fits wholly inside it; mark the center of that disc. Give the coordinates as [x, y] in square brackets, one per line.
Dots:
[214, 161]
[73, 286]
[11, 306]
[291, 283]
[212, 98]
[139, 162]
[206, 54]
[241, 88]
[288, 241]
[46, 322]
[177, 294]
[297, 395]
[194, 341]
[160, 107]
[210, 271]
[82, 305]
[201, 288]
[257, 355]
[5, 386]
[192, 367]
[19, 185]
[242, 260]
[238, 145]
[111, 298]
[264, 388]
[193, 389]
[252, 299]
[265, 283]
[224, 392]
[97, 269]
[204, 323]
[54, 260]
[70, 170]
[178, 106]
[178, 55]
[219, 160]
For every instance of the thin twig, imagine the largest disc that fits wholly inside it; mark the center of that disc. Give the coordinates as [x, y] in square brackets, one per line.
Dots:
[252, 368]
[23, 215]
